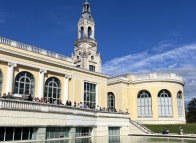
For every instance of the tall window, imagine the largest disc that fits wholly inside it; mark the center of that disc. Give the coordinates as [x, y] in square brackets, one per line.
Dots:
[24, 83]
[114, 130]
[83, 131]
[82, 32]
[144, 104]
[1, 82]
[52, 89]
[165, 103]
[17, 133]
[90, 94]
[179, 103]
[57, 132]
[111, 101]
[92, 68]
[89, 32]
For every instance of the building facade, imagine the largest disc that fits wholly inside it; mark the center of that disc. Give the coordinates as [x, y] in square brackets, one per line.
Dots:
[151, 98]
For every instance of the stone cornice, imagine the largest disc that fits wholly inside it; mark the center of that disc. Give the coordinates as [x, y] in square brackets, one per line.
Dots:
[147, 77]
[45, 61]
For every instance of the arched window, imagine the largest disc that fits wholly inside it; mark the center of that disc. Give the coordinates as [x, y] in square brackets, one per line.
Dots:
[165, 103]
[179, 103]
[89, 32]
[1, 82]
[144, 104]
[24, 83]
[82, 32]
[52, 90]
[111, 101]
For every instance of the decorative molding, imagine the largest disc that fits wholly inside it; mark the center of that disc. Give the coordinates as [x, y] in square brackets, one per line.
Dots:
[43, 71]
[11, 64]
[147, 77]
[67, 76]
[47, 61]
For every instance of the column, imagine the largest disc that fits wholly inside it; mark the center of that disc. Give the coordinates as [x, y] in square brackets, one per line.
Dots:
[66, 88]
[97, 96]
[41, 83]
[72, 133]
[10, 77]
[41, 134]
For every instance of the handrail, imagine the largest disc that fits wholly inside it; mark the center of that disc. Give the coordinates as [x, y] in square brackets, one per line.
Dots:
[141, 127]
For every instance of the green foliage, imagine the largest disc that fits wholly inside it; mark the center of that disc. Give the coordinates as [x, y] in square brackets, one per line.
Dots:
[187, 128]
[191, 114]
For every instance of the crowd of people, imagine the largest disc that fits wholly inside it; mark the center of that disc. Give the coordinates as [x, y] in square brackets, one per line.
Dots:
[28, 97]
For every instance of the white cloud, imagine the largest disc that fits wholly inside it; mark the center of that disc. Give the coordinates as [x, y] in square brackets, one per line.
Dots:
[181, 60]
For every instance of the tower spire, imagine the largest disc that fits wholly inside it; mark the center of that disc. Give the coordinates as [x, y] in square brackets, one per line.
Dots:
[85, 53]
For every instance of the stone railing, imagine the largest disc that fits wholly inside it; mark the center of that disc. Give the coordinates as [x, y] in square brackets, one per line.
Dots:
[34, 49]
[117, 79]
[146, 77]
[157, 76]
[85, 40]
[12, 104]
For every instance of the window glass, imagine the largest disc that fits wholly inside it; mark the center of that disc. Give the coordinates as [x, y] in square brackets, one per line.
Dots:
[52, 89]
[144, 104]
[165, 103]
[24, 83]
[111, 101]
[90, 94]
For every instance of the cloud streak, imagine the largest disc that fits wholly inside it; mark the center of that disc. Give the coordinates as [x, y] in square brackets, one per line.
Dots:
[181, 60]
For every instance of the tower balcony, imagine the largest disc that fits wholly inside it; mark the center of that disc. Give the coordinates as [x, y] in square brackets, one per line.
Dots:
[86, 40]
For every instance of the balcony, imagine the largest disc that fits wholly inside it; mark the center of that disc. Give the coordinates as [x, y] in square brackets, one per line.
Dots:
[23, 113]
[87, 40]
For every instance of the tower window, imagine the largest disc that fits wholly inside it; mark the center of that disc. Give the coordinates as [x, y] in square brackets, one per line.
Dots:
[82, 32]
[89, 32]
[92, 68]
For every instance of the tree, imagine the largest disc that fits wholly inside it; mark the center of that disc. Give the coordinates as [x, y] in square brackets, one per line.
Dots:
[191, 114]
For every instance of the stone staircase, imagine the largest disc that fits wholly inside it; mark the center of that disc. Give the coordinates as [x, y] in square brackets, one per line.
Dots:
[138, 128]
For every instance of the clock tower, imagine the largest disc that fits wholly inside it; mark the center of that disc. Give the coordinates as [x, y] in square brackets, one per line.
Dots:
[85, 54]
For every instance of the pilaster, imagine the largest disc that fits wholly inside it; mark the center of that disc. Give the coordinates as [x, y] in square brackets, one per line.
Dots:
[10, 76]
[66, 87]
[41, 83]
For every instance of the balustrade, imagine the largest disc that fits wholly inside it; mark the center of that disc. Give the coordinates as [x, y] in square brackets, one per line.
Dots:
[12, 104]
[147, 76]
[34, 49]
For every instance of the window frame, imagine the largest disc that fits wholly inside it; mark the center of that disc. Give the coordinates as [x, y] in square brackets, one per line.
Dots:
[180, 104]
[90, 94]
[24, 87]
[92, 68]
[52, 93]
[165, 108]
[111, 101]
[144, 104]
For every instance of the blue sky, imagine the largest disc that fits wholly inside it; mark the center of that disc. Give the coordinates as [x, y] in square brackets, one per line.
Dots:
[133, 35]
